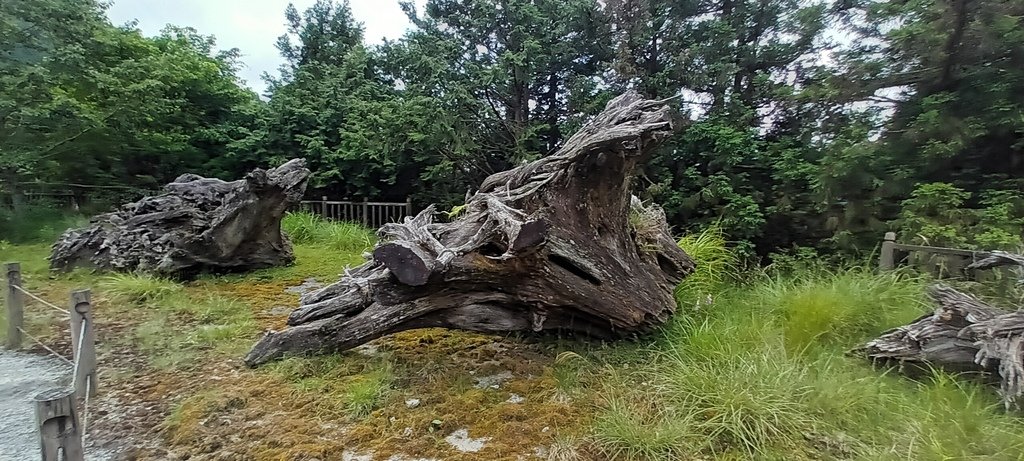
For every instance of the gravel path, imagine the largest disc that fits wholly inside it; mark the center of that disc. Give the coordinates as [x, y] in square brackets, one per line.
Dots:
[22, 376]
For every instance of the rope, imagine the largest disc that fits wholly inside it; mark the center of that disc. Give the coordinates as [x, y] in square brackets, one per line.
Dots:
[85, 411]
[41, 300]
[44, 346]
[78, 350]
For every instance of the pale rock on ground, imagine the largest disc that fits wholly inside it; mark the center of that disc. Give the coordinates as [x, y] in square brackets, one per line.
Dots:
[493, 381]
[461, 440]
[307, 286]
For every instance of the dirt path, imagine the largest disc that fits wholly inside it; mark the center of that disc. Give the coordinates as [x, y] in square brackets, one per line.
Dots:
[22, 376]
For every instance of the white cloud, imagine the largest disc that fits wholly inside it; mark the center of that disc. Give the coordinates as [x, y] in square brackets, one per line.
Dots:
[252, 26]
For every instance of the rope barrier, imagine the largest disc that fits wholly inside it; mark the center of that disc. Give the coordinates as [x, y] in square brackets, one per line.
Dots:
[41, 300]
[44, 346]
[78, 350]
[85, 411]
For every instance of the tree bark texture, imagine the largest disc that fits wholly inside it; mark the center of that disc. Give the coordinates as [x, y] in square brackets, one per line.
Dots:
[962, 335]
[556, 244]
[197, 224]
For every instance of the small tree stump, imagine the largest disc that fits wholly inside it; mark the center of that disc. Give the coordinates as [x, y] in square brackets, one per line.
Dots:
[556, 244]
[59, 431]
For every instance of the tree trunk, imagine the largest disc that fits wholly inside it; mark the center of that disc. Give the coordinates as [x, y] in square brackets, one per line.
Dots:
[198, 224]
[962, 335]
[557, 244]
[17, 195]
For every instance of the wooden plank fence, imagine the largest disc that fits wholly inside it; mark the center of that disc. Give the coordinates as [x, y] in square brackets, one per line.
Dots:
[369, 214]
[940, 262]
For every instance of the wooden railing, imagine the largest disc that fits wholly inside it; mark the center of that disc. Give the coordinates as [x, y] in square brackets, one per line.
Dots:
[938, 261]
[370, 214]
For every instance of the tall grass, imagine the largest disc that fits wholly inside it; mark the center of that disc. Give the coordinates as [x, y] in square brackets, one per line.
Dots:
[760, 373]
[139, 288]
[308, 228]
[37, 224]
[716, 266]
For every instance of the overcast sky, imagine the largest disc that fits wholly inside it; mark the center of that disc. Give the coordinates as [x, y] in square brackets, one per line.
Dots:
[252, 26]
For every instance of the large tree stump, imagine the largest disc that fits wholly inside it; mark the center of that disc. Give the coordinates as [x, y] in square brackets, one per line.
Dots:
[197, 224]
[556, 244]
[962, 335]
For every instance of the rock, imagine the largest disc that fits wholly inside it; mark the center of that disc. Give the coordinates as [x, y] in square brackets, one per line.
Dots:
[412, 403]
[461, 441]
[515, 398]
[306, 286]
[279, 310]
[350, 456]
[197, 224]
[492, 381]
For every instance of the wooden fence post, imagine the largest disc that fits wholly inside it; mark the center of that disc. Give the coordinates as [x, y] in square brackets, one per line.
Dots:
[15, 306]
[85, 365]
[57, 422]
[366, 212]
[887, 260]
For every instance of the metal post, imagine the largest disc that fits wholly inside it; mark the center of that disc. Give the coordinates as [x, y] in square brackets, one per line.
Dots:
[58, 426]
[85, 360]
[15, 306]
[887, 260]
[366, 212]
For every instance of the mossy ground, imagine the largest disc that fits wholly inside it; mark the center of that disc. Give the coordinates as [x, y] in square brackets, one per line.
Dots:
[164, 342]
[751, 370]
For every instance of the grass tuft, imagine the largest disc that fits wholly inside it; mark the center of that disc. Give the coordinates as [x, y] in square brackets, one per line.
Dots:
[717, 265]
[308, 228]
[139, 288]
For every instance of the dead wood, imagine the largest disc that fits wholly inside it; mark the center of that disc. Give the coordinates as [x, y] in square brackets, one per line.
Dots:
[962, 335]
[556, 244]
[197, 224]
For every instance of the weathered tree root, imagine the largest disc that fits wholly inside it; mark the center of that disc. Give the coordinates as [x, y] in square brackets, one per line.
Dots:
[962, 335]
[197, 224]
[556, 244]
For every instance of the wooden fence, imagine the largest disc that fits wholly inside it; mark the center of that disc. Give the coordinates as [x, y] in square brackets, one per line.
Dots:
[62, 427]
[370, 214]
[938, 261]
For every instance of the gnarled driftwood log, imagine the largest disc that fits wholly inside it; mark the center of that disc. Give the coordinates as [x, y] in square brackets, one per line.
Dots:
[197, 224]
[556, 244]
[962, 335]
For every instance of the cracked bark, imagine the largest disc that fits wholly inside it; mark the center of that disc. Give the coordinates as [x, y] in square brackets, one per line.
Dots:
[197, 224]
[556, 244]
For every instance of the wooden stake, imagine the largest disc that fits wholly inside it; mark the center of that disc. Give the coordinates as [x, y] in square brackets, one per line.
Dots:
[887, 260]
[59, 430]
[15, 306]
[81, 313]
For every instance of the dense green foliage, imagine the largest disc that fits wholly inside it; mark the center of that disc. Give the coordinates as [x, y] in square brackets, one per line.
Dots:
[813, 126]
